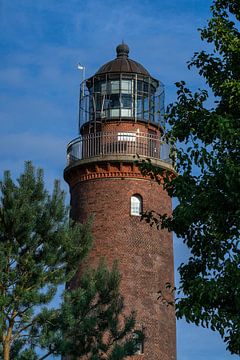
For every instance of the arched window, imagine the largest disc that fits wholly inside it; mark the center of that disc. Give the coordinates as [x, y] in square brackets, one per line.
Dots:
[136, 205]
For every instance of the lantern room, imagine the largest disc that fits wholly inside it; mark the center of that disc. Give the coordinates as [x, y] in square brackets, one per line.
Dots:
[121, 89]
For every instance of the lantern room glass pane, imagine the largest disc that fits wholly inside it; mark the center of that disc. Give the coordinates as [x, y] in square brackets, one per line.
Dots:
[114, 112]
[126, 86]
[146, 108]
[115, 101]
[104, 87]
[114, 87]
[126, 101]
[126, 112]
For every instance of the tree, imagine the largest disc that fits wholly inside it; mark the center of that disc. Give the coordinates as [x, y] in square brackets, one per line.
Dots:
[91, 320]
[207, 187]
[38, 252]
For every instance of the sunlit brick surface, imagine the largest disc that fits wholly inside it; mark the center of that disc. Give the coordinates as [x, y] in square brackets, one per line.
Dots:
[144, 253]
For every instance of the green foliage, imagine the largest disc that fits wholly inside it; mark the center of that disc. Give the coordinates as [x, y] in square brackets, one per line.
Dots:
[91, 320]
[207, 187]
[40, 250]
[36, 246]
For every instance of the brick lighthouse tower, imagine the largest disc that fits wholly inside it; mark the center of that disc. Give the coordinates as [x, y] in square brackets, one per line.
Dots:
[121, 108]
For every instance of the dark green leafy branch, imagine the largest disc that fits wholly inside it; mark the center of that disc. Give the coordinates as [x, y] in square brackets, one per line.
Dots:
[208, 182]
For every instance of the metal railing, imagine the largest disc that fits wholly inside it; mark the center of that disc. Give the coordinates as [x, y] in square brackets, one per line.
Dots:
[117, 143]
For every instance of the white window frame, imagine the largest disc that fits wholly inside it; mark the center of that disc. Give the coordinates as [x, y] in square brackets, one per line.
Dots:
[136, 205]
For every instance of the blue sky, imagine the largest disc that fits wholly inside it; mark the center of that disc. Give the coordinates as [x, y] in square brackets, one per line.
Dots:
[41, 43]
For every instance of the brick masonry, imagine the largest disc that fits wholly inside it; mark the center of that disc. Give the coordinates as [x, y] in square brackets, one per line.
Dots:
[122, 126]
[145, 254]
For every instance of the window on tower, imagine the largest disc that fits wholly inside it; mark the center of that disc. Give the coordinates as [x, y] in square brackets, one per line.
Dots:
[136, 205]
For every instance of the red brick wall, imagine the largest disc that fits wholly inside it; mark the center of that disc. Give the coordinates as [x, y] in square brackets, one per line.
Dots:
[129, 126]
[145, 254]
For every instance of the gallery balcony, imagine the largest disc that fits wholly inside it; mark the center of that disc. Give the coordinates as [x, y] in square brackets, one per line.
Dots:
[101, 145]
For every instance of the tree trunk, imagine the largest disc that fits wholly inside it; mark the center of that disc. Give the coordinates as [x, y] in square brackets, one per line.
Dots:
[6, 350]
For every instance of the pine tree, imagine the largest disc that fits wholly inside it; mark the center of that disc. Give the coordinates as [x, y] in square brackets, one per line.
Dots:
[40, 250]
[91, 320]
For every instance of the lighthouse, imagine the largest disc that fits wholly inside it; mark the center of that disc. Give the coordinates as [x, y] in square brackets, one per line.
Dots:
[120, 123]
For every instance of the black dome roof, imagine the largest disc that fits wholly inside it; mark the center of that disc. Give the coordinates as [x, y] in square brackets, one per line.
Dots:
[122, 64]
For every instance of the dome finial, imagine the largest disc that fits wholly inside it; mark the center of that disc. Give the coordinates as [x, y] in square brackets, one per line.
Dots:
[122, 50]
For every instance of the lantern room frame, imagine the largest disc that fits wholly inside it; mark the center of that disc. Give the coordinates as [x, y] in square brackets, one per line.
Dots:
[120, 96]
